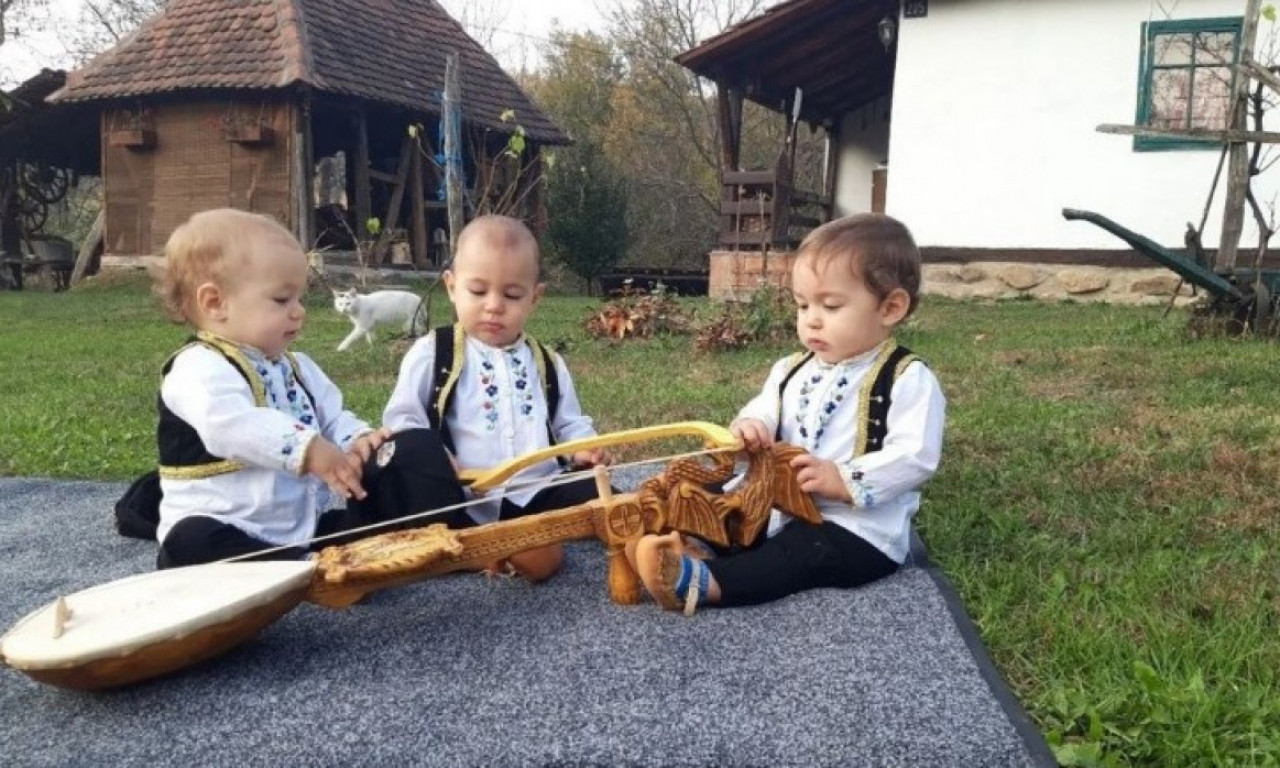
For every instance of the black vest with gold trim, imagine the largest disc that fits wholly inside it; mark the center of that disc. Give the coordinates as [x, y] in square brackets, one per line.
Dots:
[183, 455]
[450, 351]
[874, 396]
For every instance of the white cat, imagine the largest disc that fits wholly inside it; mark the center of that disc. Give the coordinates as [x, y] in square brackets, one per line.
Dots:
[379, 308]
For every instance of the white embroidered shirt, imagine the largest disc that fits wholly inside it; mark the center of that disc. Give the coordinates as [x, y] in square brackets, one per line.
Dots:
[268, 499]
[499, 411]
[820, 413]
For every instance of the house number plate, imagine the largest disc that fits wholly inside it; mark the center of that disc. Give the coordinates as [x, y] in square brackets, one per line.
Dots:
[915, 9]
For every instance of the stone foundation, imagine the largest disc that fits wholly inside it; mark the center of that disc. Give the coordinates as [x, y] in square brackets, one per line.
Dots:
[1008, 280]
[735, 275]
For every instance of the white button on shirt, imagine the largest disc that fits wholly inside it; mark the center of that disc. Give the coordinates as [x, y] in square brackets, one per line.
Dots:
[498, 412]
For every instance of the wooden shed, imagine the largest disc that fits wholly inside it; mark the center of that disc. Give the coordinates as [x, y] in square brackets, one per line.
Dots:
[234, 102]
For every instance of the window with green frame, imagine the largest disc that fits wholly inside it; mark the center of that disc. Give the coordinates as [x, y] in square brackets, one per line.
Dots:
[1185, 79]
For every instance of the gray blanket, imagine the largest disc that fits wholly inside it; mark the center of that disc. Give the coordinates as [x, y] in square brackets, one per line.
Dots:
[466, 670]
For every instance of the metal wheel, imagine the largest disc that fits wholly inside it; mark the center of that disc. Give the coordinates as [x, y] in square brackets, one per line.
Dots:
[46, 183]
[32, 214]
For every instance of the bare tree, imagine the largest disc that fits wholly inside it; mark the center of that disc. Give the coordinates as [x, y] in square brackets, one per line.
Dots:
[10, 26]
[104, 23]
[664, 130]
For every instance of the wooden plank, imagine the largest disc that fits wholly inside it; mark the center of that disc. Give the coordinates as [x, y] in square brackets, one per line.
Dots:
[746, 207]
[800, 197]
[382, 176]
[89, 247]
[1238, 152]
[1207, 134]
[1264, 76]
[749, 177]
[364, 204]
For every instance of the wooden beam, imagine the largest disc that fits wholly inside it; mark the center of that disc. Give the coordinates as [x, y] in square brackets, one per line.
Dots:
[1238, 150]
[729, 103]
[364, 204]
[1262, 75]
[1206, 134]
[89, 247]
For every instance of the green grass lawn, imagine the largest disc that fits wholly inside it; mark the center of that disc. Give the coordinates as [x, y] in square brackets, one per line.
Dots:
[1108, 504]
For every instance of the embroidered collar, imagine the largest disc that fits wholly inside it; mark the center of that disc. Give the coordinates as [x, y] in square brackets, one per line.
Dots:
[512, 347]
[852, 362]
[250, 351]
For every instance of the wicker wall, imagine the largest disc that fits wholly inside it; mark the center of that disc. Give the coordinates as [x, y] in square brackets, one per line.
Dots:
[163, 162]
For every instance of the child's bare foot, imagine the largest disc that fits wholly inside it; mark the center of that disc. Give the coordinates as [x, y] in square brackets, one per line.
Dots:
[672, 574]
[534, 564]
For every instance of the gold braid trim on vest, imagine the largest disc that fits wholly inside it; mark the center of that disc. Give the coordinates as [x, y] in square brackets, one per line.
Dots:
[864, 395]
[455, 369]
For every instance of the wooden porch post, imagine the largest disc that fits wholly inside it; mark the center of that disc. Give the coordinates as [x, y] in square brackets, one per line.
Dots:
[729, 99]
[1238, 161]
[421, 257]
[360, 177]
[304, 175]
[829, 170]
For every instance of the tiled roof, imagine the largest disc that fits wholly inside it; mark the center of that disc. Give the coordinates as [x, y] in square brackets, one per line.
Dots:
[391, 51]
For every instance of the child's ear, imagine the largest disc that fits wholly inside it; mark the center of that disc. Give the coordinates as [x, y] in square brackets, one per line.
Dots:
[211, 302]
[448, 278]
[895, 307]
[538, 291]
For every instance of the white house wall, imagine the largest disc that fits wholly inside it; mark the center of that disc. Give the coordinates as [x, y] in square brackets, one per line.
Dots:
[864, 146]
[993, 128]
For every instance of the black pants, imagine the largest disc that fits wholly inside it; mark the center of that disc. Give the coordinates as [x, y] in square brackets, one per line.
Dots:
[413, 475]
[555, 497]
[799, 557]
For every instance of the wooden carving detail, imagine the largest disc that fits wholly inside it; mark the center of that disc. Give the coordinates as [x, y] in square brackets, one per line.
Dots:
[677, 499]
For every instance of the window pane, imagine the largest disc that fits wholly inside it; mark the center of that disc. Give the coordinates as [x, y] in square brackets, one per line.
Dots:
[1171, 50]
[1211, 97]
[1170, 89]
[1215, 48]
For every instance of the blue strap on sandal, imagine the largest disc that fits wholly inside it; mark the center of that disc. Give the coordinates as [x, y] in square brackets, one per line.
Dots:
[693, 583]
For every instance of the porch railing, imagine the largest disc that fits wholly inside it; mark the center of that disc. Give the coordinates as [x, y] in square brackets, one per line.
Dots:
[762, 210]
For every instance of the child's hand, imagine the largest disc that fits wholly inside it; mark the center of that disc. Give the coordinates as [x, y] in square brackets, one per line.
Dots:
[327, 462]
[752, 432]
[597, 457]
[820, 477]
[363, 447]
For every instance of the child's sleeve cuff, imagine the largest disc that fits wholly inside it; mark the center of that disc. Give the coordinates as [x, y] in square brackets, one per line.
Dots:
[860, 491]
[295, 450]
